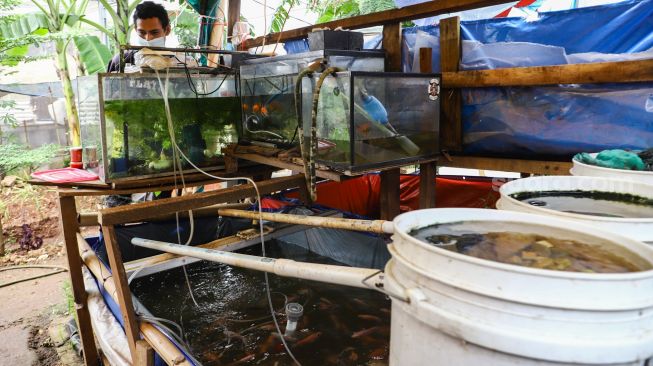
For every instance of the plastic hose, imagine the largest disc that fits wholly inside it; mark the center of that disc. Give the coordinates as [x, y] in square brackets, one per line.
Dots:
[59, 269]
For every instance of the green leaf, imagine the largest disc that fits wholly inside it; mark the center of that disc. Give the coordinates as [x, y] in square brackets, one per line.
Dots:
[94, 55]
[281, 15]
[23, 25]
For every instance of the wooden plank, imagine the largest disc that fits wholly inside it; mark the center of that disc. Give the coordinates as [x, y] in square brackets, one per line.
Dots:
[145, 210]
[451, 131]
[148, 187]
[425, 60]
[144, 355]
[389, 195]
[594, 73]
[509, 165]
[417, 11]
[122, 289]
[233, 15]
[427, 171]
[392, 46]
[325, 174]
[68, 214]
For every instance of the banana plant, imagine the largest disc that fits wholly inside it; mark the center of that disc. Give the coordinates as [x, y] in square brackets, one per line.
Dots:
[53, 22]
[121, 23]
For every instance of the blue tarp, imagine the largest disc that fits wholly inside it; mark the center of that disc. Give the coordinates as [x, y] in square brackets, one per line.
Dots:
[554, 121]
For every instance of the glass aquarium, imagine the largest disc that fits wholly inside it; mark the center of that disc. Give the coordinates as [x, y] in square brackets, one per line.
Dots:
[137, 136]
[369, 120]
[268, 87]
[88, 109]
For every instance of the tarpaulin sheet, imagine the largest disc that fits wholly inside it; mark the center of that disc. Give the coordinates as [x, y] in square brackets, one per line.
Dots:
[361, 195]
[554, 121]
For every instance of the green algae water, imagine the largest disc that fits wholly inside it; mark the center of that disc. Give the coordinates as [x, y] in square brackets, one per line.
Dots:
[605, 204]
[137, 135]
[232, 324]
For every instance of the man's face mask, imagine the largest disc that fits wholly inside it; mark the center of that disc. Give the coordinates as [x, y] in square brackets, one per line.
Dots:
[156, 42]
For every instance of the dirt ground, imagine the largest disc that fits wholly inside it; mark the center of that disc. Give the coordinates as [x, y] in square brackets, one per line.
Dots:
[33, 313]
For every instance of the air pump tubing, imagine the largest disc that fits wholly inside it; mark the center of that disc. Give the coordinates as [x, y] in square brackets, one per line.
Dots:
[339, 275]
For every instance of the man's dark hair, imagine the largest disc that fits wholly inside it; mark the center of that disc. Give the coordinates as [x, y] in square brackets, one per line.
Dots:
[150, 9]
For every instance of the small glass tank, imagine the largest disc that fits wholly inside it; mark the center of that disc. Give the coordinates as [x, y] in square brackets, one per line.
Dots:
[268, 87]
[369, 120]
[136, 141]
[88, 109]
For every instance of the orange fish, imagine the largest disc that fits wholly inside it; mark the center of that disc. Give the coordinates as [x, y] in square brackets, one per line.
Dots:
[256, 107]
[264, 111]
[245, 107]
[308, 339]
[364, 128]
[274, 106]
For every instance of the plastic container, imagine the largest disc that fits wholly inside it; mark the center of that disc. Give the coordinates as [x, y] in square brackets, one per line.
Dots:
[76, 154]
[636, 228]
[583, 169]
[469, 311]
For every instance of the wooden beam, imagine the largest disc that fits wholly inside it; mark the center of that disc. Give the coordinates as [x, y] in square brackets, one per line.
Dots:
[427, 171]
[509, 165]
[389, 195]
[146, 210]
[451, 124]
[145, 354]
[233, 15]
[325, 174]
[594, 73]
[122, 289]
[68, 213]
[392, 46]
[423, 10]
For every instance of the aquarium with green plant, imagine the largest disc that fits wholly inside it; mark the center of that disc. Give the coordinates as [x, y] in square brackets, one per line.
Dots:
[136, 130]
[369, 120]
[268, 90]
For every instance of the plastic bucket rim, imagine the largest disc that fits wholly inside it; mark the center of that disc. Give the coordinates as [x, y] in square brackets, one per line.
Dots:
[546, 211]
[527, 270]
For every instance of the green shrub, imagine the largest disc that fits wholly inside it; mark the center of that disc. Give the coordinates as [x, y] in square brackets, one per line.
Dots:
[14, 157]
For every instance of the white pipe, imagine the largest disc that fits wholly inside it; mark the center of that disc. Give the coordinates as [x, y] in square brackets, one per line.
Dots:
[339, 275]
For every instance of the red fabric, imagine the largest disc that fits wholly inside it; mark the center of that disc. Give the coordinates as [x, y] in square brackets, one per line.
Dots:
[361, 195]
[520, 4]
[65, 175]
[272, 204]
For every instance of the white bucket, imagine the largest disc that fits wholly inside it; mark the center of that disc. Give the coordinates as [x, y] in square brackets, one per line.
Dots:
[582, 169]
[469, 311]
[636, 228]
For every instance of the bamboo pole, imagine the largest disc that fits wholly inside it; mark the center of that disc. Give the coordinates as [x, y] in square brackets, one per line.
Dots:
[163, 346]
[371, 226]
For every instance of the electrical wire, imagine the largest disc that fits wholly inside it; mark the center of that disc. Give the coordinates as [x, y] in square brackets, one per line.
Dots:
[164, 90]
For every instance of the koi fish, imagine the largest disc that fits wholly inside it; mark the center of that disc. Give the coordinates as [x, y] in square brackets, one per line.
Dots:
[366, 331]
[379, 354]
[256, 108]
[368, 317]
[308, 339]
[241, 361]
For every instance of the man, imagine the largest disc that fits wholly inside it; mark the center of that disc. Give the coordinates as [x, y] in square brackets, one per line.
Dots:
[152, 26]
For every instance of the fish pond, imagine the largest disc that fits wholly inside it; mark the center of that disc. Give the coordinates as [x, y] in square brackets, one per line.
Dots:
[232, 325]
